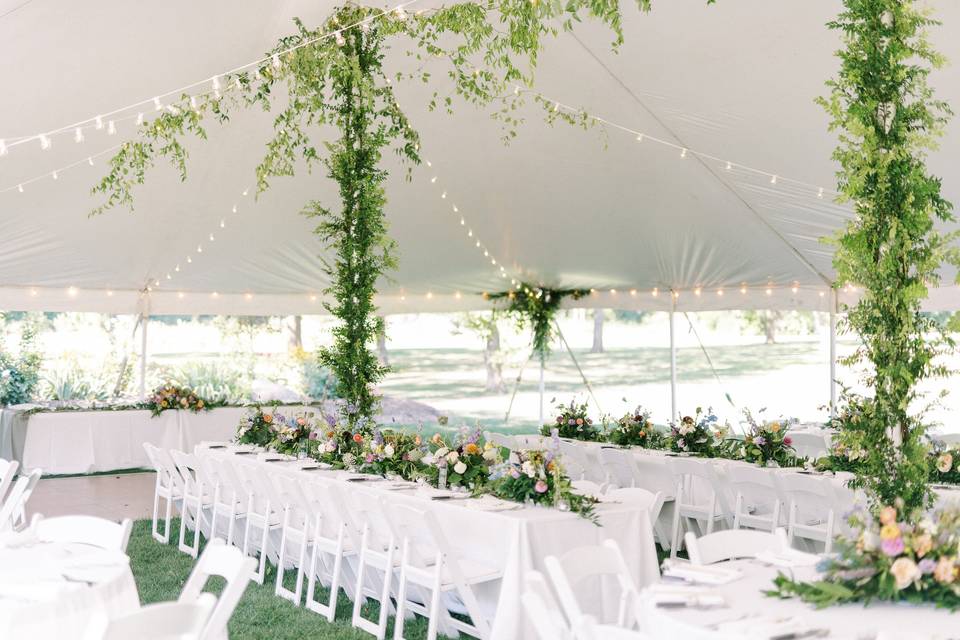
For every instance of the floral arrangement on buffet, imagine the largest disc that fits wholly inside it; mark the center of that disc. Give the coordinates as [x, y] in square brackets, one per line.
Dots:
[767, 443]
[573, 422]
[394, 454]
[537, 477]
[170, 396]
[698, 434]
[466, 462]
[257, 427]
[889, 559]
[635, 429]
[945, 465]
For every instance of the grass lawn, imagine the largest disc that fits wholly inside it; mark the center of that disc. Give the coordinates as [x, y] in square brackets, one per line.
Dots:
[161, 570]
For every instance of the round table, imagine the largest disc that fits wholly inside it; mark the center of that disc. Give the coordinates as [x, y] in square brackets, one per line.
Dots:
[61, 590]
[751, 614]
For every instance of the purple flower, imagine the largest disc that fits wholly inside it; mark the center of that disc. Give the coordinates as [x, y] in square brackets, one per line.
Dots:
[760, 440]
[571, 422]
[927, 565]
[331, 421]
[369, 457]
[559, 419]
[514, 473]
[892, 547]
[351, 408]
[313, 435]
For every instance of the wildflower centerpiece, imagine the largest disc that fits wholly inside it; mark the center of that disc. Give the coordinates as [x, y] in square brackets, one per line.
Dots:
[767, 443]
[888, 559]
[535, 476]
[572, 422]
[945, 465]
[170, 396]
[464, 462]
[270, 428]
[698, 434]
[341, 446]
[393, 454]
[635, 429]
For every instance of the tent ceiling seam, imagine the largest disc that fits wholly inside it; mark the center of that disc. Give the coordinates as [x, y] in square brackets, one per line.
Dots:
[796, 252]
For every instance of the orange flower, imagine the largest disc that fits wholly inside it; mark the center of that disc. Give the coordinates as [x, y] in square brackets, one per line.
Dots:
[268, 418]
[330, 434]
[471, 448]
[357, 438]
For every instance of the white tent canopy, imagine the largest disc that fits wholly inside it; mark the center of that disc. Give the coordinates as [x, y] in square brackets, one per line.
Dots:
[559, 205]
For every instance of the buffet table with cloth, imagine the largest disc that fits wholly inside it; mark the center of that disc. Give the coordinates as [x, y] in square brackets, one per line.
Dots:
[59, 442]
[61, 590]
[514, 540]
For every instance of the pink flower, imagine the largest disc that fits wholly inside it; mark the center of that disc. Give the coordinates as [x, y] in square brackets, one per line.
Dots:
[540, 487]
[892, 547]
[788, 441]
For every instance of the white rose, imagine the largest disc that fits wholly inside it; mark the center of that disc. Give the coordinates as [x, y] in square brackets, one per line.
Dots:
[452, 457]
[460, 468]
[685, 429]
[388, 451]
[528, 469]
[348, 459]
[439, 453]
[490, 455]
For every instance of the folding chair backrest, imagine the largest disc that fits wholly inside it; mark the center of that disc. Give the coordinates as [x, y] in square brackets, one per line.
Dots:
[547, 623]
[8, 470]
[585, 563]
[229, 563]
[575, 461]
[372, 514]
[809, 444]
[291, 492]
[165, 459]
[97, 532]
[417, 529]
[812, 495]
[619, 466]
[756, 485]
[164, 620]
[588, 488]
[653, 474]
[336, 511]
[13, 502]
[699, 481]
[731, 544]
[190, 470]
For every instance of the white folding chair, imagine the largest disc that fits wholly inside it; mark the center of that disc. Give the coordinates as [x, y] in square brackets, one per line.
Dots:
[430, 562]
[229, 496]
[296, 535]
[698, 500]
[197, 500]
[264, 514]
[167, 486]
[732, 544]
[575, 458]
[756, 501]
[556, 625]
[653, 475]
[336, 539]
[378, 555]
[809, 444]
[620, 467]
[20, 516]
[589, 488]
[91, 530]
[229, 563]
[810, 510]
[13, 503]
[8, 471]
[547, 623]
[589, 564]
[164, 621]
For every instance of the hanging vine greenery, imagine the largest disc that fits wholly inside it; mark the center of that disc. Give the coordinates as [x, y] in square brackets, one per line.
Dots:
[333, 75]
[536, 307]
[888, 118]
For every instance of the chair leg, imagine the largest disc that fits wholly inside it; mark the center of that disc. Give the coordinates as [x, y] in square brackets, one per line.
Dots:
[156, 509]
[401, 594]
[358, 589]
[166, 519]
[385, 605]
[434, 610]
[676, 534]
[278, 588]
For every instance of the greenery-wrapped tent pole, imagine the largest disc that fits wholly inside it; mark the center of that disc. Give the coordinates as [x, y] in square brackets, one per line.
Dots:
[536, 307]
[334, 75]
[887, 119]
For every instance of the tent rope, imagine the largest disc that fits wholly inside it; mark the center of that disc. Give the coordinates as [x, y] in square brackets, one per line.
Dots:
[577, 365]
[516, 387]
[713, 369]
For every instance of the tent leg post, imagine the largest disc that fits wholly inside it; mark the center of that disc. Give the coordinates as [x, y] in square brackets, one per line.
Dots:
[144, 321]
[833, 355]
[673, 359]
[541, 387]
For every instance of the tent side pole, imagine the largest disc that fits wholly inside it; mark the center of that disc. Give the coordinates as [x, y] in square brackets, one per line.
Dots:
[673, 359]
[144, 321]
[833, 355]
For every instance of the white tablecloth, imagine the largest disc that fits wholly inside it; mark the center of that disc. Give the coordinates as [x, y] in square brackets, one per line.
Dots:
[517, 541]
[89, 441]
[749, 611]
[60, 591]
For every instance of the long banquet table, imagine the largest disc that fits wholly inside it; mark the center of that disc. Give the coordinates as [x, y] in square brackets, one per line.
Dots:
[515, 540]
[59, 442]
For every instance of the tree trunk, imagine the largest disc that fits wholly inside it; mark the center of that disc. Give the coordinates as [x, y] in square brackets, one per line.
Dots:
[597, 331]
[382, 345]
[295, 339]
[770, 319]
[493, 365]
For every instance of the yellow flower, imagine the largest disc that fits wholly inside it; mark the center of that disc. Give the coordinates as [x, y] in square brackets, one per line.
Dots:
[488, 445]
[889, 532]
[471, 448]
[945, 571]
[922, 544]
[888, 515]
[775, 427]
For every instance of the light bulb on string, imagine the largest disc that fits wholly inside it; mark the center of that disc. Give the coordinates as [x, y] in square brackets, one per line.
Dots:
[45, 142]
[177, 268]
[55, 175]
[20, 188]
[223, 223]
[90, 160]
[773, 179]
[139, 118]
[3, 147]
[215, 81]
[78, 135]
[199, 248]
[193, 102]
[470, 233]
[245, 192]
[275, 61]
[729, 165]
[462, 222]
[189, 259]
[683, 153]
[98, 123]
[156, 103]
[820, 192]
[433, 179]
[455, 210]
[639, 137]
[443, 195]
[111, 128]
[211, 237]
